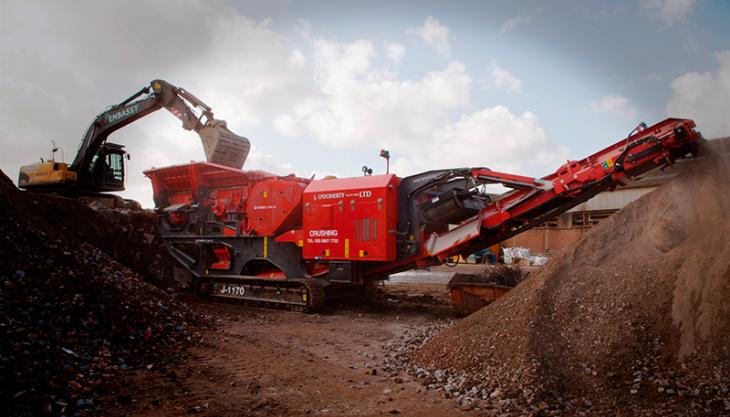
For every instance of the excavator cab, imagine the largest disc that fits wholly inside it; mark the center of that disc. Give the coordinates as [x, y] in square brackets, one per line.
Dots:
[107, 168]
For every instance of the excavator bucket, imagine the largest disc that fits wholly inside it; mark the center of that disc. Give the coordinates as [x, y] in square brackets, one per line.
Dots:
[224, 147]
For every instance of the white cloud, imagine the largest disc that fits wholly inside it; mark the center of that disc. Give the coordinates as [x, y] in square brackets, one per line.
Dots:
[286, 125]
[395, 51]
[616, 105]
[357, 103]
[704, 98]
[336, 65]
[501, 78]
[493, 137]
[269, 163]
[434, 34]
[514, 22]
[425, 122]
[297, 58]
[669, 11]
[371, 106]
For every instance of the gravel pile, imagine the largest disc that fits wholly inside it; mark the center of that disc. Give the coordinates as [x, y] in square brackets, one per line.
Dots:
[633, 319]
[469, 393]
[73, 317]
[130, 236]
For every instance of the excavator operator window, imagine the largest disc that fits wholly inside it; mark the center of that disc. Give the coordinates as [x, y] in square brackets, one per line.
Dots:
[114, 167]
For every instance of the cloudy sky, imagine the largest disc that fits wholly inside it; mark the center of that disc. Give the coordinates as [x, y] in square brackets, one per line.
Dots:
[319, 87]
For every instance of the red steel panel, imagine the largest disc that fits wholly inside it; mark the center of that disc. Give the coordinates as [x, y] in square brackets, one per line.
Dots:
[351, 218]
[275, 206]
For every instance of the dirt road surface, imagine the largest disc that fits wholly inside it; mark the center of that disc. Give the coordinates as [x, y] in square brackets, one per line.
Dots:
[270, 363]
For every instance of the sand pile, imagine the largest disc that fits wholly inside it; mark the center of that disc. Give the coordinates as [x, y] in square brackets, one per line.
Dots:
[633, 319]
[73, 317]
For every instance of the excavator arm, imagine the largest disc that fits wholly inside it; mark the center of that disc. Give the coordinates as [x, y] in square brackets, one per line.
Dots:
[98, 165]
[178, 101]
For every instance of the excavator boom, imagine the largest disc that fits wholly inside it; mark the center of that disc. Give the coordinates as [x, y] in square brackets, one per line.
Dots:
[98, 165]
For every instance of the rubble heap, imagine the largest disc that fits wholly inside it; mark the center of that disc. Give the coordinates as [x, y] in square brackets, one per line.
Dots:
[633, 317]
[73, 317]
[130, 236]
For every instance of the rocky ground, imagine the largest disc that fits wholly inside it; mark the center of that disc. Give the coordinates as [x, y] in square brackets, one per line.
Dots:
[339, 362]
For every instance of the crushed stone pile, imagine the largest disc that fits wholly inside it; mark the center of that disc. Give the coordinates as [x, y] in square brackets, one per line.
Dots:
[633, 319]
[74, 317]
[131, 236]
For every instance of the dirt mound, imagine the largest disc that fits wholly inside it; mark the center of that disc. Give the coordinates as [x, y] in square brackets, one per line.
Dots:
[73, 317]
[5, 181]
[129, 236]
[633, 319]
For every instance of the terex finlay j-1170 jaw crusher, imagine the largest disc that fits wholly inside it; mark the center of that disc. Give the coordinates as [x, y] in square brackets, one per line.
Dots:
[264, 238]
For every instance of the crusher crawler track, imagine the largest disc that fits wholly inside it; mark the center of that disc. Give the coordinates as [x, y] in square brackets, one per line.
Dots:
[304, 295]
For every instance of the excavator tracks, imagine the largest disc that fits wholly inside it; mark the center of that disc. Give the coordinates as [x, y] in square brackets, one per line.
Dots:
[304, 295]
